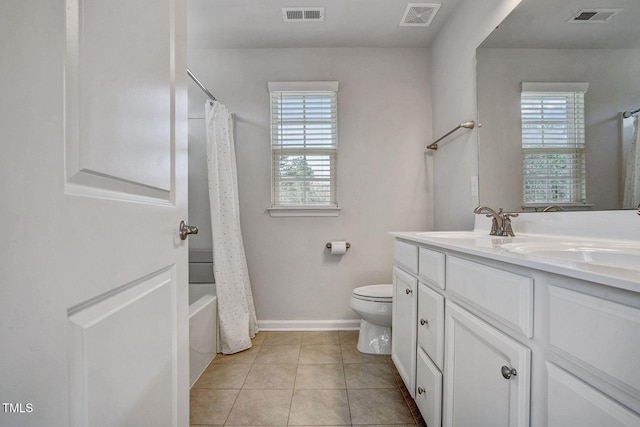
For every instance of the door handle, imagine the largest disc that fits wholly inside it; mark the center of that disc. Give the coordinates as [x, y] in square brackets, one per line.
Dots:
[185, 230]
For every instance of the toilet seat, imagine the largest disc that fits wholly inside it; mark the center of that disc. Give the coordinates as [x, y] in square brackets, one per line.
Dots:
[374, 293]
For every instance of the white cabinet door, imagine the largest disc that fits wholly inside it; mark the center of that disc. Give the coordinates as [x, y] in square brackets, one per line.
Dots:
[403, 330]
[93, 181]
[476, 391]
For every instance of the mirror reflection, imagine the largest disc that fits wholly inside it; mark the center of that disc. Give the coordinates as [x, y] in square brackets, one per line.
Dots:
[554, 81]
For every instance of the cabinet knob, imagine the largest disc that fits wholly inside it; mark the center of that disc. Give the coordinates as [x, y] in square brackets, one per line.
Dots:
[424, 322]
[508, 372]
[408, 291]
[420, 390]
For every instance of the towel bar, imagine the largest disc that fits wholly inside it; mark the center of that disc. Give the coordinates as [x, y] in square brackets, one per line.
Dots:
[466, 125]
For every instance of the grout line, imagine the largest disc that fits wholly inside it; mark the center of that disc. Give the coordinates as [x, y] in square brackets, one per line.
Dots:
[293, 389]
[232, 406]
[346, 385]
[241, 387]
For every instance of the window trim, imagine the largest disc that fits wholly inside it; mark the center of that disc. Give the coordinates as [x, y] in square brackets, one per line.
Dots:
[310, 210]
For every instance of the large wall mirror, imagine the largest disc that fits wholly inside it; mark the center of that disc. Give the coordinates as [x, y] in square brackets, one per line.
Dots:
[535, 43]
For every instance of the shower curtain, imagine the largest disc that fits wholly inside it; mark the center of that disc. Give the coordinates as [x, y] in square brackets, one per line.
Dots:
[632, 176]
[236, 312]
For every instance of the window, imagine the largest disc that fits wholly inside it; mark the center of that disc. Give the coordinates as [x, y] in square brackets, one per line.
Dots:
[553, 143]
[304, 148]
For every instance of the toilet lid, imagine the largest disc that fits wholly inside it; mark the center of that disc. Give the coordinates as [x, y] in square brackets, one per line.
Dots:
[374, 292]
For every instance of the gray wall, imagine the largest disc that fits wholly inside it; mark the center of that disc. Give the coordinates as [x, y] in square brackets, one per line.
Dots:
[384, 106]
[453, 95]
[500, 72]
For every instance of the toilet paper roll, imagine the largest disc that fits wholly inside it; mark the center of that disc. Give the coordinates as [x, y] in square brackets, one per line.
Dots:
[338, 248]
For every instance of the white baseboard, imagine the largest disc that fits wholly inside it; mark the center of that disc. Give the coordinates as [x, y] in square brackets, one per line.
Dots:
[309, 325]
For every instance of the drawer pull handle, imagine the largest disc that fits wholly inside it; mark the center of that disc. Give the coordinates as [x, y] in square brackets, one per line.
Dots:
[508, 372]
[420, 390]
[408, 291]
[424, 322]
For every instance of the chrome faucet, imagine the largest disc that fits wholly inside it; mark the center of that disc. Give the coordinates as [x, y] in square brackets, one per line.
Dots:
[501, 221]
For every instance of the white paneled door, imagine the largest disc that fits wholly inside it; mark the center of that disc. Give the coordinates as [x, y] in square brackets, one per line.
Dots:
[93, 177]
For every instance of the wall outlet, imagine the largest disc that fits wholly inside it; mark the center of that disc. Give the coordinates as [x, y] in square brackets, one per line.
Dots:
[474, 186]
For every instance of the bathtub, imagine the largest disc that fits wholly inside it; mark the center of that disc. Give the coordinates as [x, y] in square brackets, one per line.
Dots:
[203, 328]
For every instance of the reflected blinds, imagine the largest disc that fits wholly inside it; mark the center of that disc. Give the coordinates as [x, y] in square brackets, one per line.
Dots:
[553, 145]
[304, 145]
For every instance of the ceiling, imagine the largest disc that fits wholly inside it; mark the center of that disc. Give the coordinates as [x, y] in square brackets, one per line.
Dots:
[247, 24]
[543, 24]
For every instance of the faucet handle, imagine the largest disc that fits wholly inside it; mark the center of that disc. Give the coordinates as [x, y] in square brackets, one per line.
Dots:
[507, 230]
[495, 226]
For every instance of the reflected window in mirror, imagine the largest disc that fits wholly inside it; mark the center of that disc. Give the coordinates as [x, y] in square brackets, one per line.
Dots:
[553, 143]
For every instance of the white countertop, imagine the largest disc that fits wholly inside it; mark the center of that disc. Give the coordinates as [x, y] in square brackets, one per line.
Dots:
[480, 243]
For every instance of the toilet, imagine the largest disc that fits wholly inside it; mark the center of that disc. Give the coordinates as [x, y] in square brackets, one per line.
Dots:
[373, 305]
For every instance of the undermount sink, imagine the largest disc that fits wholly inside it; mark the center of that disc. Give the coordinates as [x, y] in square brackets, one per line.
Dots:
[619, 255]
[452, 234]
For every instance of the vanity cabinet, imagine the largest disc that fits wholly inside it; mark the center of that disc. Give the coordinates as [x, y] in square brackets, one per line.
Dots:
[475, 350]
[471, 355]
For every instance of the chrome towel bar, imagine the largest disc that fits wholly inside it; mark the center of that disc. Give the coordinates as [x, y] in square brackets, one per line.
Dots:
[466, 125]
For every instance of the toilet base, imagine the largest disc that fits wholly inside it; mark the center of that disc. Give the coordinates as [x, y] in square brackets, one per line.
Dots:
[374, 339]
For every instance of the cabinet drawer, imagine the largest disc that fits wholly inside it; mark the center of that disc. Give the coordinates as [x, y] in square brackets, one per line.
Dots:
[428, 390]
[574, 403]
[597, 333]
[502, 295]
[431, 266]
[406, 256]
[431, 323]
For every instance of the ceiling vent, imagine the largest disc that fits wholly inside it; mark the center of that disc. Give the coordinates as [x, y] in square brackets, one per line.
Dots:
[593, 16]
[419, 14]
[303, 14]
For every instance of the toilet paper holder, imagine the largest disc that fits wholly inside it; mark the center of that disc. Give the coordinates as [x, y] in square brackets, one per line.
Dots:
[328, 245]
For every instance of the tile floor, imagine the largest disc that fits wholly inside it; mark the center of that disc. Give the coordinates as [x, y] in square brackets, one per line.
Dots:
[302, 379]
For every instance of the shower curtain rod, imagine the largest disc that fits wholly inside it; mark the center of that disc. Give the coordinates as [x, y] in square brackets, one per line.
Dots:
[204, 89]
[628, 114]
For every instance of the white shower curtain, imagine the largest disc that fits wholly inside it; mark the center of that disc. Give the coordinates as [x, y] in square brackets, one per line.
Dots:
[236, 312]
[632, 176]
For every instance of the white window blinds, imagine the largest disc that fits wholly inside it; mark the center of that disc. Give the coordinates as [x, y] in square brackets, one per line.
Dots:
[304, 143]
[553, 143]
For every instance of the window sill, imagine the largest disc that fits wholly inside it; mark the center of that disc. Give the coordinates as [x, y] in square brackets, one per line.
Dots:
[285, 211]
[538, 207]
